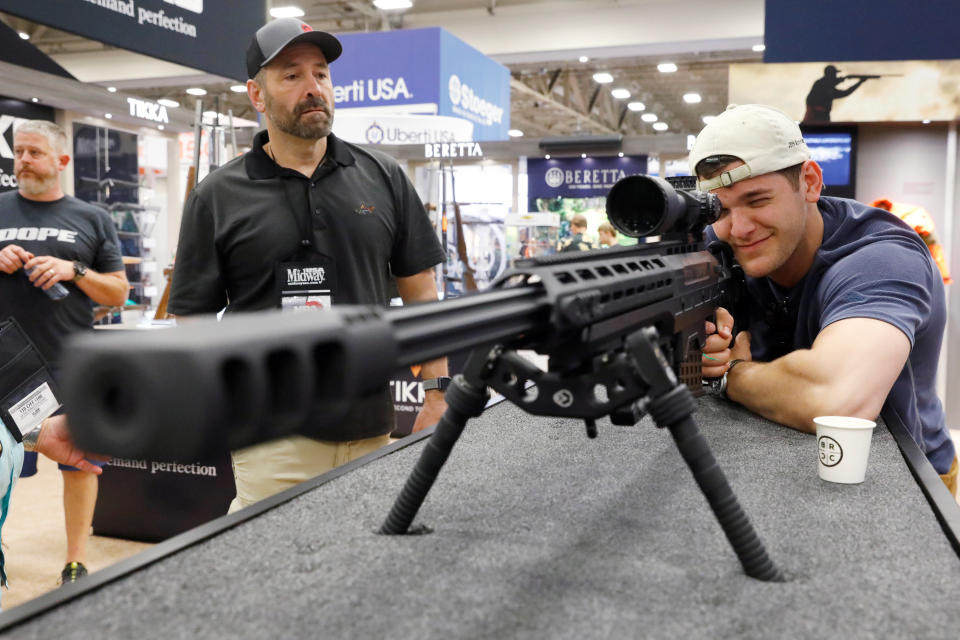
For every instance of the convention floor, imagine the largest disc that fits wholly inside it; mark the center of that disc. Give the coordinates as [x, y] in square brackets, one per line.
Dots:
[34, 542]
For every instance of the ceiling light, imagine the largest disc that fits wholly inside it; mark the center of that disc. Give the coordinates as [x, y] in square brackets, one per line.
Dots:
[583, 155]
[620, 94]
[620, 155]
[708, 119]
[926, 122]
[392, 5]
[660, 126]
[238, 88]
[692, 98]
[584, 59]
[173, 104]
[666, 67]
[515, 133]
[34, 99]
[602, 77]
[636, 106]
[547, 157]
[108, 116]
[23, 35]
[197, 91]
[759, 47]
[286, 12]
[112, 89]
[649, 117]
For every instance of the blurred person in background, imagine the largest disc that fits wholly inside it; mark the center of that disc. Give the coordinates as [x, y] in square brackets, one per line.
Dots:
[58, 239]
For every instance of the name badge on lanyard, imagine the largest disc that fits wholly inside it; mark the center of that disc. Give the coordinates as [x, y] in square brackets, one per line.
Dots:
[306, 286]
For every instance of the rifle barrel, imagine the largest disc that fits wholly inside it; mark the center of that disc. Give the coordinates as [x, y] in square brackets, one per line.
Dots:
[430, 330]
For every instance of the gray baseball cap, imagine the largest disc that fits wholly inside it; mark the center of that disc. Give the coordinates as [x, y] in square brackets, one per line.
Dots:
[275, 36]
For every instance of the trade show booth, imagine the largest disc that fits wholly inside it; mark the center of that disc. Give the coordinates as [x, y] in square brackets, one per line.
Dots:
[532, 529]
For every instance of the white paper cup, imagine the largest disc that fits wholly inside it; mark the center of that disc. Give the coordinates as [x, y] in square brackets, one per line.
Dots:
[843, 446]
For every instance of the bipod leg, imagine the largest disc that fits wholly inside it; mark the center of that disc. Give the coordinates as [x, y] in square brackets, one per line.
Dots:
[723, 501]
[672, 405]
[465, 400]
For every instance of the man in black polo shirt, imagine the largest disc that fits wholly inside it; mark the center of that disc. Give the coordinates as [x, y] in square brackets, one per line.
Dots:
[302, 221]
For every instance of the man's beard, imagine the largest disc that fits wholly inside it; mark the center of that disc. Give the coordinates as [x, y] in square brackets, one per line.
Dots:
[291, 123]
[35, 184]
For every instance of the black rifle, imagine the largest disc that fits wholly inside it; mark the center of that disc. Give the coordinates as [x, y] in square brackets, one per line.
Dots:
[864, 76]
[617, 324]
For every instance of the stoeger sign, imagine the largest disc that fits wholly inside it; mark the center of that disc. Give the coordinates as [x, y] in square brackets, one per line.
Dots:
[11, 113]
[579, 177]
[211, 35]
[423, 71]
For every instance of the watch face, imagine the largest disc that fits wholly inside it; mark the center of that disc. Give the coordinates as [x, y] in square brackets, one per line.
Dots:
[713, 386]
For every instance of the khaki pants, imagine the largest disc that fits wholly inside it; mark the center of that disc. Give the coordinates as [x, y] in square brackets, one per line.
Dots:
[950, 478]
[265, 469]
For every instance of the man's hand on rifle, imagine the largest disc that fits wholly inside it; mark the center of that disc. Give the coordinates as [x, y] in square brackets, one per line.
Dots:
[717, 353]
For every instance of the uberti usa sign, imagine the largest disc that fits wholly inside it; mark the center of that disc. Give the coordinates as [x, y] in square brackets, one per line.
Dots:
[211, 35]
[423, 71]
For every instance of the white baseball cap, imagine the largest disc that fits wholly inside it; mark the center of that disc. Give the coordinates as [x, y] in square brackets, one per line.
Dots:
[765, 138]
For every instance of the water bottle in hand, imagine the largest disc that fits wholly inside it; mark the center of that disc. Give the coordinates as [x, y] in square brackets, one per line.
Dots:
[56, 292]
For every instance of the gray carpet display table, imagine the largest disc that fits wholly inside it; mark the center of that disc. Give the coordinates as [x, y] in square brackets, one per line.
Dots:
[539, 532]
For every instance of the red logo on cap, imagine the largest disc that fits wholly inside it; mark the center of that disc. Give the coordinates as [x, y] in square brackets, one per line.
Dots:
[306, 27]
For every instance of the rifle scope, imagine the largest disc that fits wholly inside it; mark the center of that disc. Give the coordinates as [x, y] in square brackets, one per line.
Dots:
[640, 206]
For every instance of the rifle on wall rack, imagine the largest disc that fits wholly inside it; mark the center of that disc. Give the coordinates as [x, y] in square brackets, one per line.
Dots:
[469, 282]
[192, 172]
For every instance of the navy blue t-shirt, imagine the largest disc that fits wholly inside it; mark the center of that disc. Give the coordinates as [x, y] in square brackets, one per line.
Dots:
[870, 265]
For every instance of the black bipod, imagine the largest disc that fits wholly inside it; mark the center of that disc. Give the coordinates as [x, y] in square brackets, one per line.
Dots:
[639, 370]
[466, 398]
[672, 405]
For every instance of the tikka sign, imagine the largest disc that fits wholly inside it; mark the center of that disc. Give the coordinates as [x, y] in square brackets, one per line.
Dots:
[148, 110]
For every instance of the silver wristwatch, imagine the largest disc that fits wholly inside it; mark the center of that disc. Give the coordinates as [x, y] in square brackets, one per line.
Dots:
[718, 386]
[723, 380]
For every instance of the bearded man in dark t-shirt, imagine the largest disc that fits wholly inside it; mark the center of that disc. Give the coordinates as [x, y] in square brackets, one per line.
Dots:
[48, 238]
